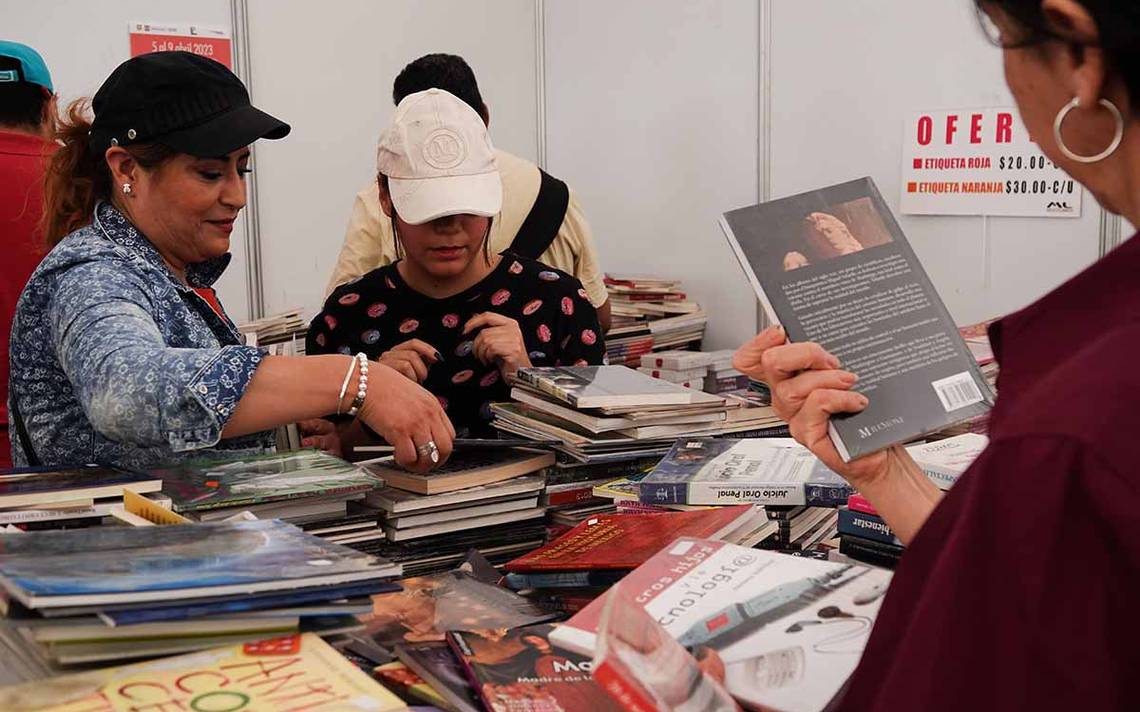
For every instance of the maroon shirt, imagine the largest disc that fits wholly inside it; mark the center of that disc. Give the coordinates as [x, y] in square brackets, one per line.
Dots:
[1021, 590]
[22, 163]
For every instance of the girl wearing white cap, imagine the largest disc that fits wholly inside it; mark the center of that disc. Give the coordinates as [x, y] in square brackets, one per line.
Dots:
[450, 314]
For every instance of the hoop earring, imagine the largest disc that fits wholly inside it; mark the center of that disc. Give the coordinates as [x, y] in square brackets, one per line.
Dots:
[127, 188]
[1068, 153]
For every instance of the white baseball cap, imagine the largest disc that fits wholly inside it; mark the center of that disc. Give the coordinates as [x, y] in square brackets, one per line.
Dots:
[439, 160]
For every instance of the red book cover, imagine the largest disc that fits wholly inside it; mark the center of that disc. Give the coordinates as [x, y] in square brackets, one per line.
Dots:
[520, 671]
[859, 503]
[626, 541]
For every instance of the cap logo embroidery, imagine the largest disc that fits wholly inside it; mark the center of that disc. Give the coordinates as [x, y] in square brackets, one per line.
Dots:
[444, 149]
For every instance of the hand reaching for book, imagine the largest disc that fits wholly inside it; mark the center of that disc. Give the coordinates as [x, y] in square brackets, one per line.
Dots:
[408, 417]
[321, 434]
[808, 387]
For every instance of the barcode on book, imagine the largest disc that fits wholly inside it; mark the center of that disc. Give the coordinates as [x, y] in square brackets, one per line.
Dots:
[957, 391]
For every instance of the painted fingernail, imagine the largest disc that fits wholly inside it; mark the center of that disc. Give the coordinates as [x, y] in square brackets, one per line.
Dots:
[438, 356]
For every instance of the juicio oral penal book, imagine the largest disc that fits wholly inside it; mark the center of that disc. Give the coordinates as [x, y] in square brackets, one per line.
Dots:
[833, 267]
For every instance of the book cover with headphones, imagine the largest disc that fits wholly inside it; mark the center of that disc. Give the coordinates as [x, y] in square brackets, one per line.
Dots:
[783, 632]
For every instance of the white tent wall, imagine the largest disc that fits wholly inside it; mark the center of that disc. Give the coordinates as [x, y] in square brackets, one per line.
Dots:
[327, 68]
[660, 113]
[82, 41]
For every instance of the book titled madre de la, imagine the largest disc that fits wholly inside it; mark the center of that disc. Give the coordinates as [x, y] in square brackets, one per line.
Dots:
[833, 266]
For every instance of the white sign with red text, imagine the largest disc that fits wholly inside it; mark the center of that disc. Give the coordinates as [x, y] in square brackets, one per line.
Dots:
[981, 162]
[212, 42]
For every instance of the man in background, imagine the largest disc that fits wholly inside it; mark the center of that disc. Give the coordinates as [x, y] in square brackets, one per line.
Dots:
[540, 218]
[27, 122]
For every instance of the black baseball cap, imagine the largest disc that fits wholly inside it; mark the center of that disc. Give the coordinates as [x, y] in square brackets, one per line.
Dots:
[190, 103]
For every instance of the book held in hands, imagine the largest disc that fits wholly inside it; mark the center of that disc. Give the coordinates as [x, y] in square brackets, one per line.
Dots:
[833, 267]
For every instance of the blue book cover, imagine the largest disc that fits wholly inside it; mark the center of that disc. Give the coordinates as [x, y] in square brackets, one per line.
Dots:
[769, 471]
[241, 604]
[120, 564]
[867, 526]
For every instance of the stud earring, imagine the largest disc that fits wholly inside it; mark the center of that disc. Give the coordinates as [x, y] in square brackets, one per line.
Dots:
[127, 188]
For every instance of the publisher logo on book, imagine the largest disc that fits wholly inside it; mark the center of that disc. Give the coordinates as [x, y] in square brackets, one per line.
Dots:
[869, 430]
[1062, 207]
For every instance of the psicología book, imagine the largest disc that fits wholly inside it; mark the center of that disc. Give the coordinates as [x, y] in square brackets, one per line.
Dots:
[758, 471]
[787, 631]
[833, 266]
[289, 673]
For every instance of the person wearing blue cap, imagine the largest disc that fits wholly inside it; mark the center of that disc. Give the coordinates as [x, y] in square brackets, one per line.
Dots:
[27, 120]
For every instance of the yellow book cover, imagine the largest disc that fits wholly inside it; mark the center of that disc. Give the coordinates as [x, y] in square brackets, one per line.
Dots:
[296, 673]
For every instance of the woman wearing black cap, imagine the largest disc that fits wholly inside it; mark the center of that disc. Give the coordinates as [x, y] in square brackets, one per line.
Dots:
[121, 353]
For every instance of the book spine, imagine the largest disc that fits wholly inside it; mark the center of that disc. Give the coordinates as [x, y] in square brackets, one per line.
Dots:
[713, 494]
[25, 516]
[865, 551]
[777, 431]
[867, 526]
[563, 579]
[942, 479]
[827, 495]
[569, 496]
[859, 503]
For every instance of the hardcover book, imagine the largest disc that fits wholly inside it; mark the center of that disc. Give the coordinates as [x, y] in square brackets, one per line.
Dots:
[198, 485]
[277, 674]
[868, 526]
[833, 266]
[787, 631]
[30, 486]
[605, 387]
[625, 541]
[522, 672]
[397, 502]
[108, 565]
[756, 470]
[470, 468]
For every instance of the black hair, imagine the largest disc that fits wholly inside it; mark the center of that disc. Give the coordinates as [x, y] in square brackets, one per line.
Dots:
[383, 179]
[440, 71]
[21, 103]
[1118, 27]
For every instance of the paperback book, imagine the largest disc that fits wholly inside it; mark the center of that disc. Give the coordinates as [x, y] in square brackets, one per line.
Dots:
[787, 631]
[520, 671]
[754, 470]
[605, 387]
[290, 671]
[31, 486]
[471, 468]
[109, 565]
[625, 541]
[198, 485]
[833, 267]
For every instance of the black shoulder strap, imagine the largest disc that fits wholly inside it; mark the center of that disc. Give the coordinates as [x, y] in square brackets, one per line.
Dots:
[545, 218]
[22, 434]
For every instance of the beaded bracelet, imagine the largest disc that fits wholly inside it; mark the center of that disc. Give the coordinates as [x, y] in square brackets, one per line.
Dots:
[362, 385]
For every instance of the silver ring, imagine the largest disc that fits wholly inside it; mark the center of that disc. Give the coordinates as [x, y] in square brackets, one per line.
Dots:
[429, 450]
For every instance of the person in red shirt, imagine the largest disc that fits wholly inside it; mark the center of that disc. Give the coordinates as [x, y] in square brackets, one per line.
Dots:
[1018, 588]
[27, 122]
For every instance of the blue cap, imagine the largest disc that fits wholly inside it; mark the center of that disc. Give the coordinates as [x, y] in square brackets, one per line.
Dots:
[32, 68]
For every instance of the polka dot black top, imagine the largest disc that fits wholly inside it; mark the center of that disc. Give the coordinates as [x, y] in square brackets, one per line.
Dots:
[379, 311]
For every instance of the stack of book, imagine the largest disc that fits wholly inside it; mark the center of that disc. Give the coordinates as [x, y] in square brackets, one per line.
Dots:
[108, 594]
[710, 371]
[288, 327]
[37, 498]
[484, 499]
[649, 315]
[613, 413]
[803, 530]
[865, 536]
[581, 564]
[308, 488]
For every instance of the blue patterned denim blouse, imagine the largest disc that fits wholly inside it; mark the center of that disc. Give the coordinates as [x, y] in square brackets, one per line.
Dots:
[114, 360]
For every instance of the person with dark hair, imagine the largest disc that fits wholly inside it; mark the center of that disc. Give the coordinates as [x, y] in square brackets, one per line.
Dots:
[27, 120]
[1017, 590]
[451, 314]
[540, 217]
[121, 352]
